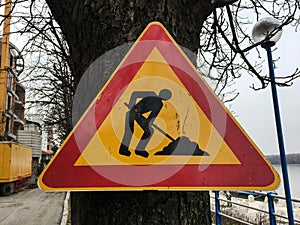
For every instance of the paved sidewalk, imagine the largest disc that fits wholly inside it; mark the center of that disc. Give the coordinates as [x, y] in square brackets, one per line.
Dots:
[32, 207]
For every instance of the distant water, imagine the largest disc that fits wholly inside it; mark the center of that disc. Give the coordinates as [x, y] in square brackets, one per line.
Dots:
[294, 179]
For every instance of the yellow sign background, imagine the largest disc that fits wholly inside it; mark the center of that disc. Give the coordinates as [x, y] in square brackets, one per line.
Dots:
[180, 116]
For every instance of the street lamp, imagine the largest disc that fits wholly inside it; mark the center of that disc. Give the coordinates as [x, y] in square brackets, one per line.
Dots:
[267, 32]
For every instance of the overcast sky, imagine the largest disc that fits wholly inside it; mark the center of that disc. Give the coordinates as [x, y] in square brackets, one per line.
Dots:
[254, 109]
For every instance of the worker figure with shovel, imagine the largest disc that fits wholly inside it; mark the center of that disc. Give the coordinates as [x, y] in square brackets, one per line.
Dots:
[150, 103]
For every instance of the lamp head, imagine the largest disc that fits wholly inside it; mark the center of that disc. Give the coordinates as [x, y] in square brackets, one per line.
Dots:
[267, 29]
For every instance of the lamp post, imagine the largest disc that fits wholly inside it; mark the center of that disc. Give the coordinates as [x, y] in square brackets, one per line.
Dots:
[265, 30]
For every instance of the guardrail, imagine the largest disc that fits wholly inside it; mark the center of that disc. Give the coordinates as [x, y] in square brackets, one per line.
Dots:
[268, 215]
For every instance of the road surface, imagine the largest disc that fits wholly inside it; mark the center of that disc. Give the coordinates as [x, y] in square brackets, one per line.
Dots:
[32, 207]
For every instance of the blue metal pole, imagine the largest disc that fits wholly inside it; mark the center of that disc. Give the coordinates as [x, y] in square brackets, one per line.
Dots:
[271, 209]
[218, 208]
[289, 205]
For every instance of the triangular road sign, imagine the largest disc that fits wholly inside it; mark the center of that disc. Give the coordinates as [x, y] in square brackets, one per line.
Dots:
[156, 125]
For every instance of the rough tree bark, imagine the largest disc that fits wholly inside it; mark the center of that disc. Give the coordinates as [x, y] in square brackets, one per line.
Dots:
[143, 208]
[92, 27]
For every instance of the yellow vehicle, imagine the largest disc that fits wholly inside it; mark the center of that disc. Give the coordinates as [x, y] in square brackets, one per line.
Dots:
[15, 166]
[15, 159]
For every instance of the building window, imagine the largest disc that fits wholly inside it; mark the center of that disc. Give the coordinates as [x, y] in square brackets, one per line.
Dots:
[9, 81]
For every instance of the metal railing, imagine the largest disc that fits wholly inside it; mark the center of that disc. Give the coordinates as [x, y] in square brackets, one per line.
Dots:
[273, 217]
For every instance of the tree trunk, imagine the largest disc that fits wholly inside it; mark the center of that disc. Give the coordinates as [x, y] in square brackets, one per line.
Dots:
[92, 27]
[145, 207]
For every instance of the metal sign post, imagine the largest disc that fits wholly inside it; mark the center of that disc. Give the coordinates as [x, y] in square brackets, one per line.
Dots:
[289, 205]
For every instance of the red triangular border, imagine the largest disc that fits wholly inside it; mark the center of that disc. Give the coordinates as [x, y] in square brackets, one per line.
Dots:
[254, 172]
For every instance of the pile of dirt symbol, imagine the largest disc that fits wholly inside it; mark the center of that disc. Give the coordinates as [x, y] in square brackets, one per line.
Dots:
[182, 146]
